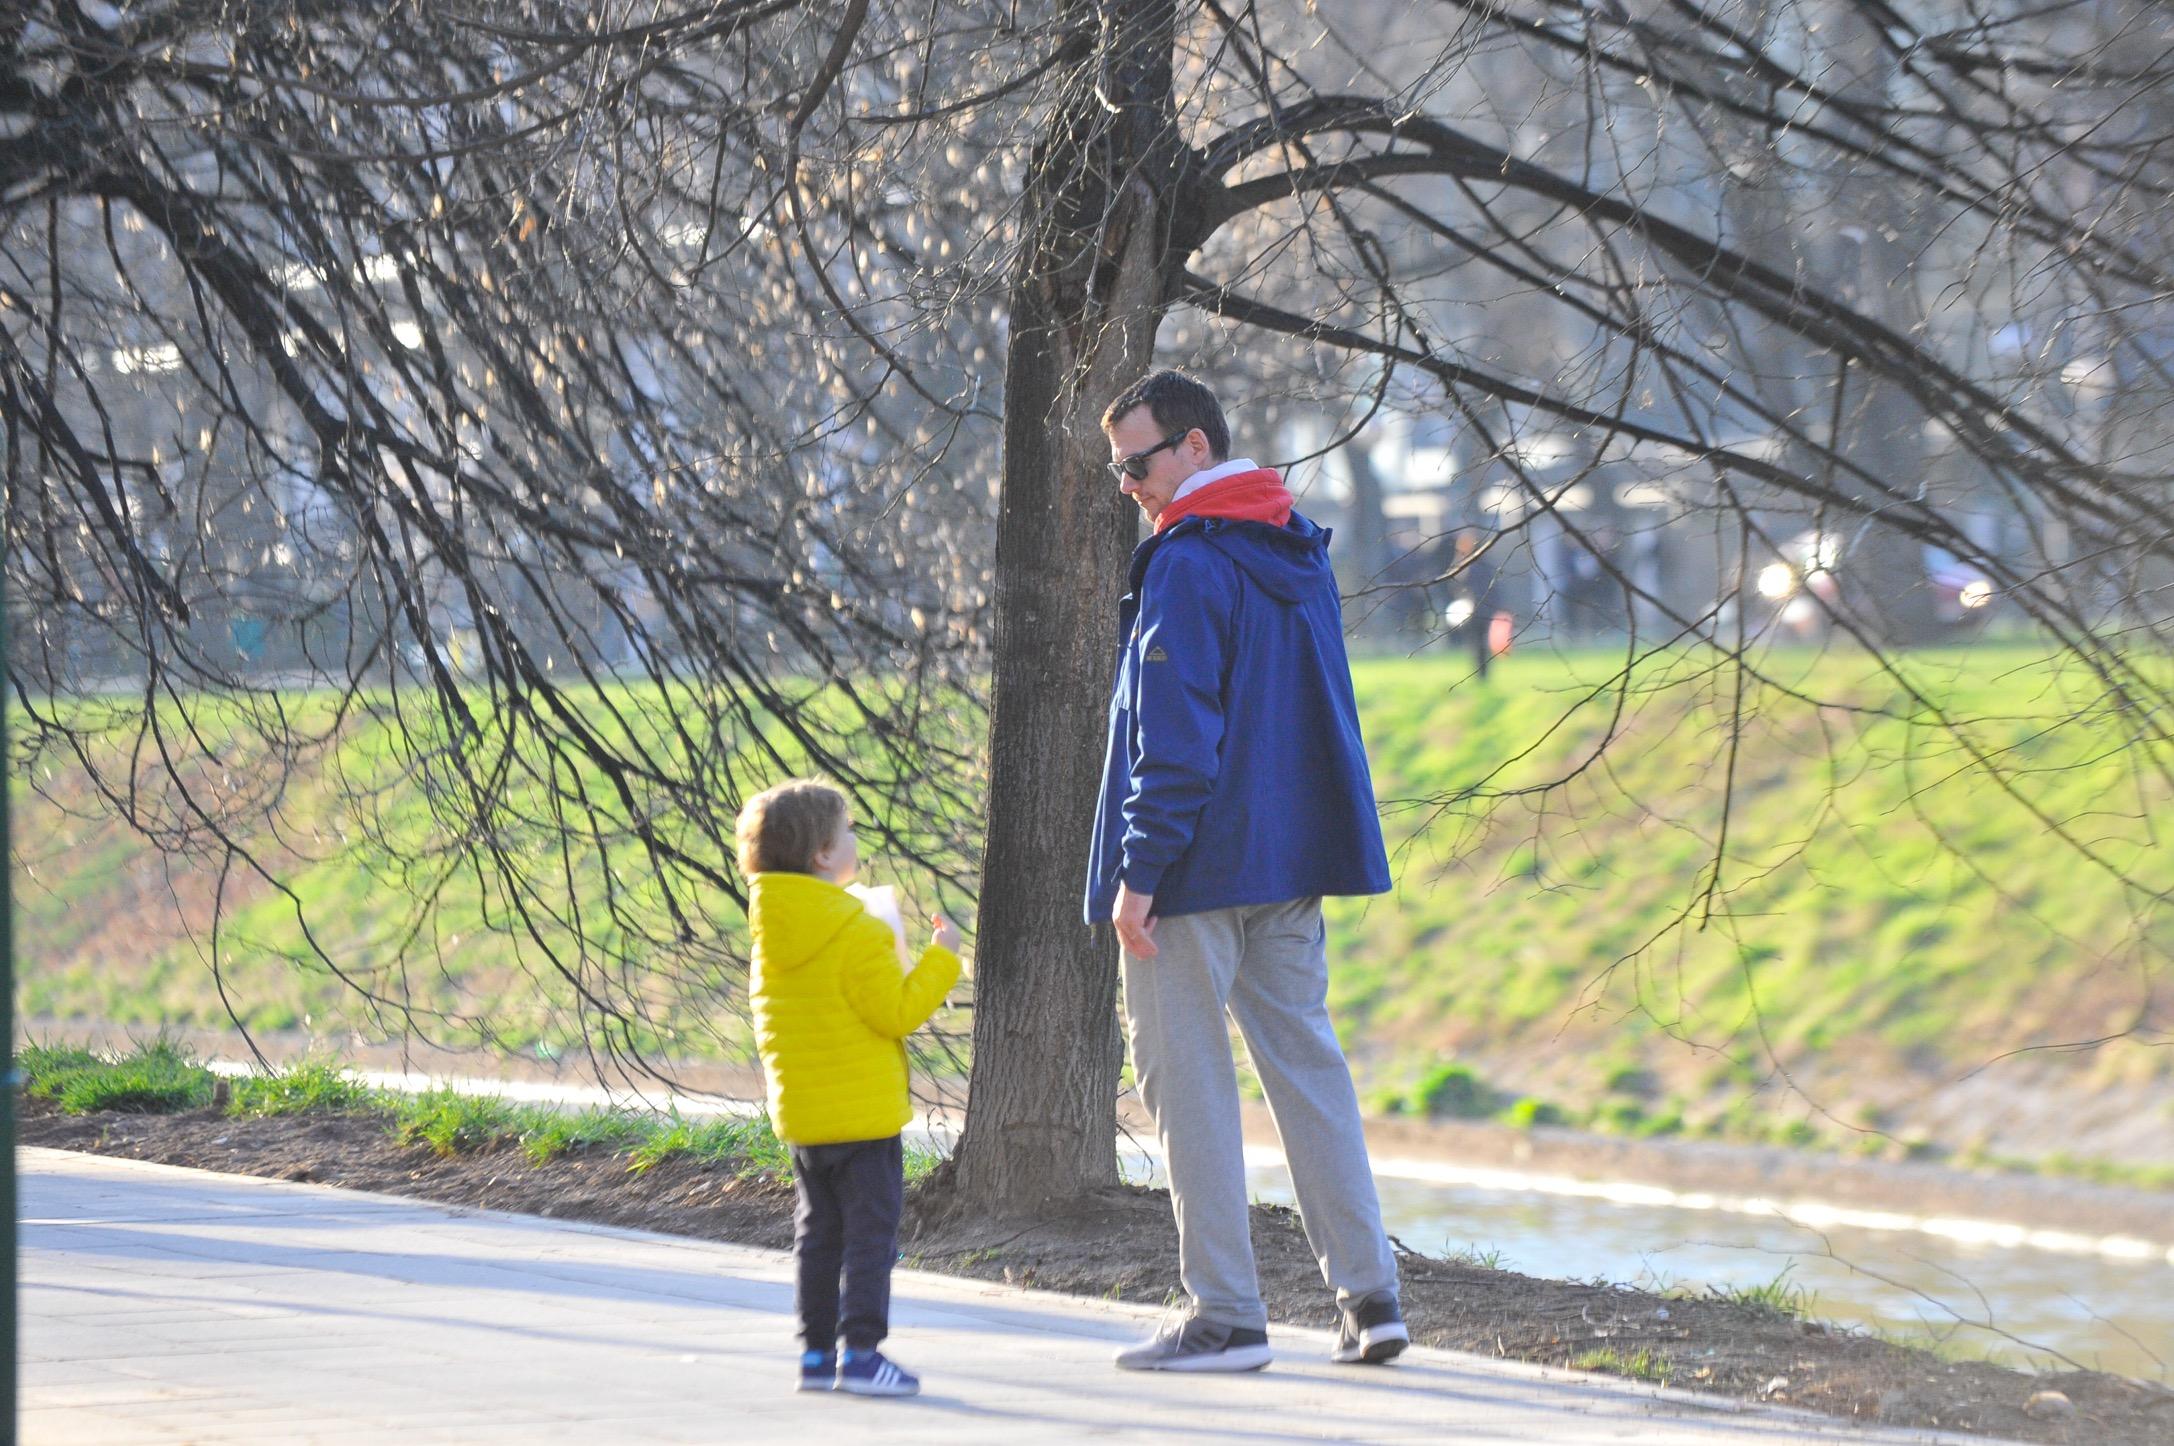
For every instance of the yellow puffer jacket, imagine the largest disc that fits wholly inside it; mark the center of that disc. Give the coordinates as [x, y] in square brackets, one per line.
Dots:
[832, 1010]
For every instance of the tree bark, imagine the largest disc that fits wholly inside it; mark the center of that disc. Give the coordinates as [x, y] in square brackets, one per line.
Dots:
[1095, 274]
[1368, 552]
[1869, 263]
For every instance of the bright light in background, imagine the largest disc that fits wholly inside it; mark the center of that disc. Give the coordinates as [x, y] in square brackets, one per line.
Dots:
[2085, 372]
[408, 334]
[1458, 613]
[1777, 580]
[152, 359]
[1541, 449]
[1505, 500]
[1975, 594]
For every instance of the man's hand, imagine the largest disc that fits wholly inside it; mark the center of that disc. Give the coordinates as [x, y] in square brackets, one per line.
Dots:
[947, 933]
[1135, 927]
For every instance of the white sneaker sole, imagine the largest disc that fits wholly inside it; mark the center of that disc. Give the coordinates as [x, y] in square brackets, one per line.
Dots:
[1376, 1346]
[871, 1388]
[1237, 1358]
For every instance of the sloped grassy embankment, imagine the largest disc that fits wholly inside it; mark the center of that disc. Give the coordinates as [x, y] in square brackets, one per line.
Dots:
[1887, 917]
[1910, 889]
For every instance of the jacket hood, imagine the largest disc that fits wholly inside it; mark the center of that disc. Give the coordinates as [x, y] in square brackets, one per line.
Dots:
[1255, 496]
[1288, 562]
[794, 916]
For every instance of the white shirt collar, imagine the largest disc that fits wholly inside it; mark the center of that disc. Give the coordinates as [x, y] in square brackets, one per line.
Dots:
[1216, 473]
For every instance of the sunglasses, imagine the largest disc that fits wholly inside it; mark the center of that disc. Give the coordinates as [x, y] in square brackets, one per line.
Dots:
[1137, 464]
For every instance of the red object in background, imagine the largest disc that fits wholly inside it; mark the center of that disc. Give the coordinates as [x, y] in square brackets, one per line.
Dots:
[1498, 635]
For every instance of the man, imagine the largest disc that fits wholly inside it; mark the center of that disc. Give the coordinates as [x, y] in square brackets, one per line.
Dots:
[1235, 794]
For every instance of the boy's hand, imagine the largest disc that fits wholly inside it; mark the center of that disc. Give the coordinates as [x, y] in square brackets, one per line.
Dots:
[947, 934]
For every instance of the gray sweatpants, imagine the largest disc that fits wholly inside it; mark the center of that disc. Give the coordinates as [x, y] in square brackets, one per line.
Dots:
[1268, 966]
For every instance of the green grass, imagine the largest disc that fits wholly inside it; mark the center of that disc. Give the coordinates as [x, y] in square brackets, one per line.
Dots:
[1880, 901]
[2098, 1172]
[547, 1134]
[1455, 1092]
[311, 1088]
[1620, 1117]
[497, 958]
[159, 1077]
[1528, 1113]
[1774, 1297]
[1837, 875]
[748, 1145]
[1639, 1365]
[40, 1064]
[452, 1123]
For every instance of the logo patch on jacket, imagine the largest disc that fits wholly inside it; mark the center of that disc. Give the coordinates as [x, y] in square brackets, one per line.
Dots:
[1157, 655]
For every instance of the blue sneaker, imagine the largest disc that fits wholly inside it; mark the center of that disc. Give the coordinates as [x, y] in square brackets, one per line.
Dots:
[868, 1373]
[818, 1370]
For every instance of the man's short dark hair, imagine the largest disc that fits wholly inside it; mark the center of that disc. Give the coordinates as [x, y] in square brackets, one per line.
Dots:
[1178, 403]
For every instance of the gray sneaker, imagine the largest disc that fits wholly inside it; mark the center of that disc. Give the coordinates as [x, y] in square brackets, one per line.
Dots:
[1198, 1345]
[1372, 1331]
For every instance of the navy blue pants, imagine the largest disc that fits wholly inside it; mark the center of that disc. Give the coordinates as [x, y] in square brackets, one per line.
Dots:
[845, 1240]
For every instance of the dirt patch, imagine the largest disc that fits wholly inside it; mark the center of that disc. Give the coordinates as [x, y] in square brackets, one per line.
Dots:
[1121, 1244]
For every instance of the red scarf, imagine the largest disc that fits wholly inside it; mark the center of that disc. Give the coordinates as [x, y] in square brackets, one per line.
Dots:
[1255, 496]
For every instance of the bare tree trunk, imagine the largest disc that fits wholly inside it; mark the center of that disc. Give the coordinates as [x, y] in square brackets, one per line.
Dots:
[1368, 551]
[1860, 253]
[1870, 264]
[1093, 282]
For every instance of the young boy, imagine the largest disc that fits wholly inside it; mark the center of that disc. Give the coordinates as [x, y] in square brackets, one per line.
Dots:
[832, 1011]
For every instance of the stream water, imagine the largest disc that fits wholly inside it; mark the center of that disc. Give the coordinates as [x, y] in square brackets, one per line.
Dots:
[2001, 1290]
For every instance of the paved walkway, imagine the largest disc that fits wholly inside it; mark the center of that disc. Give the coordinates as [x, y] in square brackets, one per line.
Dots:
[164, 1305]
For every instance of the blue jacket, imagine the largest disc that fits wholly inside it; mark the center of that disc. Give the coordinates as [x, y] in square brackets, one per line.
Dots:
[1235, 772]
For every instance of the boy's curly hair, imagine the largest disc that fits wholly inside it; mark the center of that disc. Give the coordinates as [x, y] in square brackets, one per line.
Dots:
[782, 829]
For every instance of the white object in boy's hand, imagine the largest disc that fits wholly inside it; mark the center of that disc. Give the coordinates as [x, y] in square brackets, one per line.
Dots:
[881, 900]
